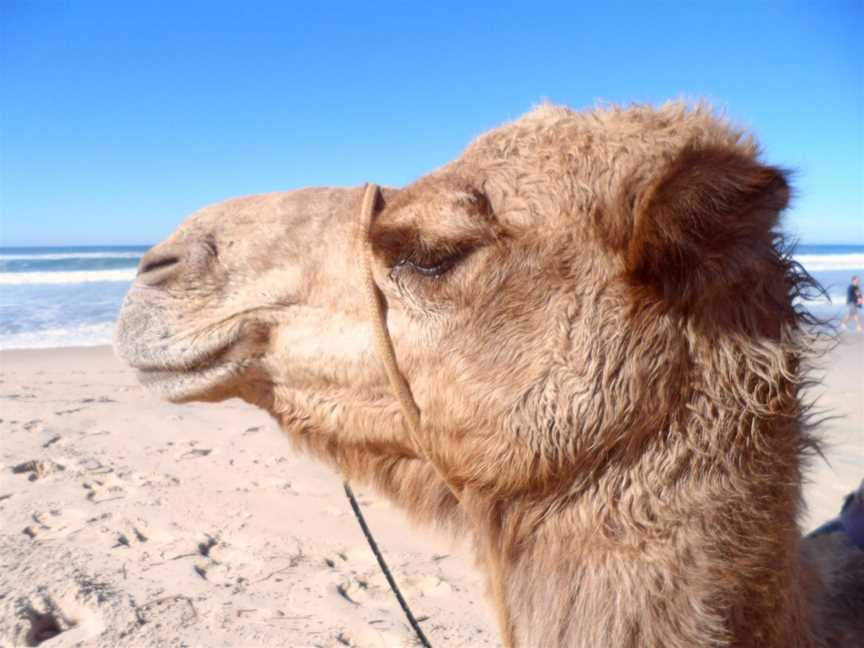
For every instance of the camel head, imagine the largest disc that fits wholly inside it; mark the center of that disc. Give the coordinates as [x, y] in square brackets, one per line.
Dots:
[514, 278]
[590, 310]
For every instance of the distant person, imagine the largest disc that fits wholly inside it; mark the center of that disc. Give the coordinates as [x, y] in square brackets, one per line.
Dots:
[854, 300]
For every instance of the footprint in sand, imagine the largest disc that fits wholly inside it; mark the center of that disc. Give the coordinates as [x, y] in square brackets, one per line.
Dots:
[368, 583]
[434, 586]
[55, 523]
[225, 564]
[93, 466]
[280, 483]
[128, 538]
[204, 556]
[106, 488]
[194, 453]
[221, 563]
[54, 439]
[68, 411]
[18, 396]
[42, 618]
[354, 589]
[37, 468]
[178, 611]
[153, 479]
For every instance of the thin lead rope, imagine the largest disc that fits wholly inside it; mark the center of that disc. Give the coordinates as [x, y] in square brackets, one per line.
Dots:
[383, 565]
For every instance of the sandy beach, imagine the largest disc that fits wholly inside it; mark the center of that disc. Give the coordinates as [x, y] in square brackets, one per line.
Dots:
[129, 521]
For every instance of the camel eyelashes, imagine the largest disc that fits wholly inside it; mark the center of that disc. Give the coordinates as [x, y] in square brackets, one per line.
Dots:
[408, 252]
[429, 268]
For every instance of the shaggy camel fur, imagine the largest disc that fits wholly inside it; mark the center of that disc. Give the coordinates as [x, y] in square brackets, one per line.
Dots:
[595, 316]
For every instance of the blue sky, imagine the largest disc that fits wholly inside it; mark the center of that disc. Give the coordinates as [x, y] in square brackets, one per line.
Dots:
[117, 119]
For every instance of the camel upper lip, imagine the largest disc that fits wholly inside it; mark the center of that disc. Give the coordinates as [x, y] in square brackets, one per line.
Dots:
[151, 348]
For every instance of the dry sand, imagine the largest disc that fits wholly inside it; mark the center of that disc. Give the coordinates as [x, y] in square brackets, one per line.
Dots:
[128, 521]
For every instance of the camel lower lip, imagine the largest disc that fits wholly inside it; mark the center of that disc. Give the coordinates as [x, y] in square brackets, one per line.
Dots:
[186, 384]
[148, 376]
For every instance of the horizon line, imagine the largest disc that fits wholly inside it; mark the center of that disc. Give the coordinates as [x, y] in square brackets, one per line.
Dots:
[116, 245]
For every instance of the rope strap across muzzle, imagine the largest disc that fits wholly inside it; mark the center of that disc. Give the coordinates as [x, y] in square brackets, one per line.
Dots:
[384, 346]
[383, 342]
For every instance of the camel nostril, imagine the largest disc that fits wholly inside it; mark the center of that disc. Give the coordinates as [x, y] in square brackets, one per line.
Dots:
[157, 266]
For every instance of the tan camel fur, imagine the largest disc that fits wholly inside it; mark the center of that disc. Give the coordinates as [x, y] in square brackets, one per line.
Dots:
[595, 316]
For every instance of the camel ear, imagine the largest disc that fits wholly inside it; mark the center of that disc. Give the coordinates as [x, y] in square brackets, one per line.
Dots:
[702, 220]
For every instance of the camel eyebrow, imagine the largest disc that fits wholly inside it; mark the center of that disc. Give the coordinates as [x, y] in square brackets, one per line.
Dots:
[392, 243]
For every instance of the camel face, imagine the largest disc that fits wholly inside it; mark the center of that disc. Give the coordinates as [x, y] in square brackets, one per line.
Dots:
[235, 291]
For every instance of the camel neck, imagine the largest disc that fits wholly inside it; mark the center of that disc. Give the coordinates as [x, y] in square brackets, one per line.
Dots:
[659, 575]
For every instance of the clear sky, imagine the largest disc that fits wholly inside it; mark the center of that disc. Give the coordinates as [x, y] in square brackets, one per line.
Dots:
[117, 119]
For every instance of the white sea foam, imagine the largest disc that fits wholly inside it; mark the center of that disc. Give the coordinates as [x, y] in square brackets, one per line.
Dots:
[833, 299]
[70, 255]
[826, 262]
[70, 277]
[81, 335]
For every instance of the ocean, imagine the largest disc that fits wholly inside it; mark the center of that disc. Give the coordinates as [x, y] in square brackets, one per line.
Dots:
[69, 296]
[63, 296]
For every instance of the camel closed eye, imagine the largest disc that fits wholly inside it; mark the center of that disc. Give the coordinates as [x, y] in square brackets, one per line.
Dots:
[411, 254]
[435, 267]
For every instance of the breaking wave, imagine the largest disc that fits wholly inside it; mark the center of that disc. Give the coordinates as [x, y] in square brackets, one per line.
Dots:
[71, 277]
[826, 262]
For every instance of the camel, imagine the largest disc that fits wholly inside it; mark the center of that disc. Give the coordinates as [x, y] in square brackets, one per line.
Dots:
[595, 316]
